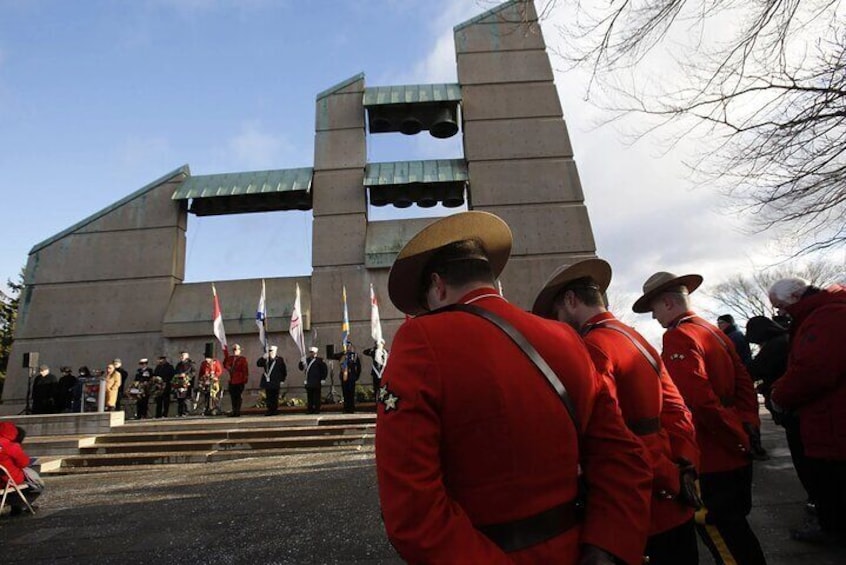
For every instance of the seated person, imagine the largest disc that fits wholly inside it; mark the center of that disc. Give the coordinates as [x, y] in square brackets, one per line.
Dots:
[15, 460]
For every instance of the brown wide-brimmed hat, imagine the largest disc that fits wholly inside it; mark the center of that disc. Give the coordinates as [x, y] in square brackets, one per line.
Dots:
[597, 269]
[404, 279]
[661, 282]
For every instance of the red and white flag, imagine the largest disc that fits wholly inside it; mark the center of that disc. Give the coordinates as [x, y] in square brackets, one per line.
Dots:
[219, 333]
[376, 328]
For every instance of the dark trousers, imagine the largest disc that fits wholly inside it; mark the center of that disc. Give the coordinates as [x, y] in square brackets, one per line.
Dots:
[163, 403]
[313, 400]
[235, 392]
[797, 453]
[728, 499]
[182, 406]
[272, 400]
[829, 479]
[141, 407]
[349, 398]
[674, 547]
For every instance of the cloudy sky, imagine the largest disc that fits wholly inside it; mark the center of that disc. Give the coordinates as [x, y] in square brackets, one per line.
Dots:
[98, 98]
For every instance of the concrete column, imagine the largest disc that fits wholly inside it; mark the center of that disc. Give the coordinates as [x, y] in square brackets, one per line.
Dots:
[516, 144]
[340, 215]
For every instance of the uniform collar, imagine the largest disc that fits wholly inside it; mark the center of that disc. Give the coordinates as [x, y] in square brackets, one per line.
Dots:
[482, 293]
[681, 318]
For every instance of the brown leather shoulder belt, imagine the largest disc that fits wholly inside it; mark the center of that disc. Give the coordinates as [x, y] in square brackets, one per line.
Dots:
[524, 533]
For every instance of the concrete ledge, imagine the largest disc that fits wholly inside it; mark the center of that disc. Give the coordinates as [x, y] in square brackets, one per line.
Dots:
[67, 424]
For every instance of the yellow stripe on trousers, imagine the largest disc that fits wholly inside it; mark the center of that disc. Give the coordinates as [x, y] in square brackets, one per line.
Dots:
[720, 544]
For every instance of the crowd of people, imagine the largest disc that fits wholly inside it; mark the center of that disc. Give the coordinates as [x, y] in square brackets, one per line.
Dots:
[196, 390]
[563, 436]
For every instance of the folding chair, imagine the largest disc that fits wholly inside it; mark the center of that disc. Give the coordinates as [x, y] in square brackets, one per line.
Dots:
[12, 486]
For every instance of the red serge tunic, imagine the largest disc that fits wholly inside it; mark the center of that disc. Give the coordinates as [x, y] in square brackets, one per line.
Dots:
[815, 380]
[469, 433]
[239, 369]
[645, 395]
[705, 367]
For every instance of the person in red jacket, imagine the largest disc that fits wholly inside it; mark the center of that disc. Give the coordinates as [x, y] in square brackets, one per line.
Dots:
[714, 383]
[651, 404]
[208, 385]
[478, 460]
[239, 373]
[14, 459]
[815, 386]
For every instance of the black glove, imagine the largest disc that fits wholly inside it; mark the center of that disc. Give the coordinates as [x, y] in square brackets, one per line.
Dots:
[688, 489]
[592, 555]
[756, 450]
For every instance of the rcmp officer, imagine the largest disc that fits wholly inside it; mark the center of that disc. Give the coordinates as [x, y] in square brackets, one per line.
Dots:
[274, 374]
[239, 374]
[651, 404]
[713, 381]
[477, 459]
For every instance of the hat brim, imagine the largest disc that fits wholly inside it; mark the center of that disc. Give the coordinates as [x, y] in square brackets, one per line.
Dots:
[596, 269]
[644, 304]
[404, 279]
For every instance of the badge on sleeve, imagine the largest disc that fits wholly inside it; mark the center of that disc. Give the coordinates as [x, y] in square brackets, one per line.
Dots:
[388, 398]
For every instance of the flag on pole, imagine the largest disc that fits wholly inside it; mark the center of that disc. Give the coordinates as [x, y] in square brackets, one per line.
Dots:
[376, 329]
[345, 327]
[261, 319]
[219, 333]
[296, 328]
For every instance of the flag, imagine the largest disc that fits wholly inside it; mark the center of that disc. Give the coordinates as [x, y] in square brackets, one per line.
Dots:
[261, 319]
[345, 327]
[219, 333]
[296, 328]
[376, 329]
[375, 323]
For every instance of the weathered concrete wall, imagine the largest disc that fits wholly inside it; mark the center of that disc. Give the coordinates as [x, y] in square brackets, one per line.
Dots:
[100, 289]
[516, 144]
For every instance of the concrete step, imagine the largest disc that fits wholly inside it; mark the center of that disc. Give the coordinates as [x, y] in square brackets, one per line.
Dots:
[226, 433]
[227, 444]
[131, 460]
[207, 423]
[55, 467]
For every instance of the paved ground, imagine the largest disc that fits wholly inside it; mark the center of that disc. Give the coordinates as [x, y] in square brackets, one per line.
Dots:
[316, 508]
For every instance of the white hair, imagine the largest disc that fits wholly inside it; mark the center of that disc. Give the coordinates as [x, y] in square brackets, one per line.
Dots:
[789, 290]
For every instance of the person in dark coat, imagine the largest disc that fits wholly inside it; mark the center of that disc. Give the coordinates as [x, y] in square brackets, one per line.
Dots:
[380, 357]
[166, 371]
[814, 386]
[316, 372]
[44, 387]
[64, 396]
[350, 371]
[275, 373]
[768, 366]
[143, 376]
[124, 375]
[741, 345]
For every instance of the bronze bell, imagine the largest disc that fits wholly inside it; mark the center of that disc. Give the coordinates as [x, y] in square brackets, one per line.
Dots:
[454, 197]
[378, 197]
[379, 124]
[428, 197]
[411, 125]
[444, 123]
